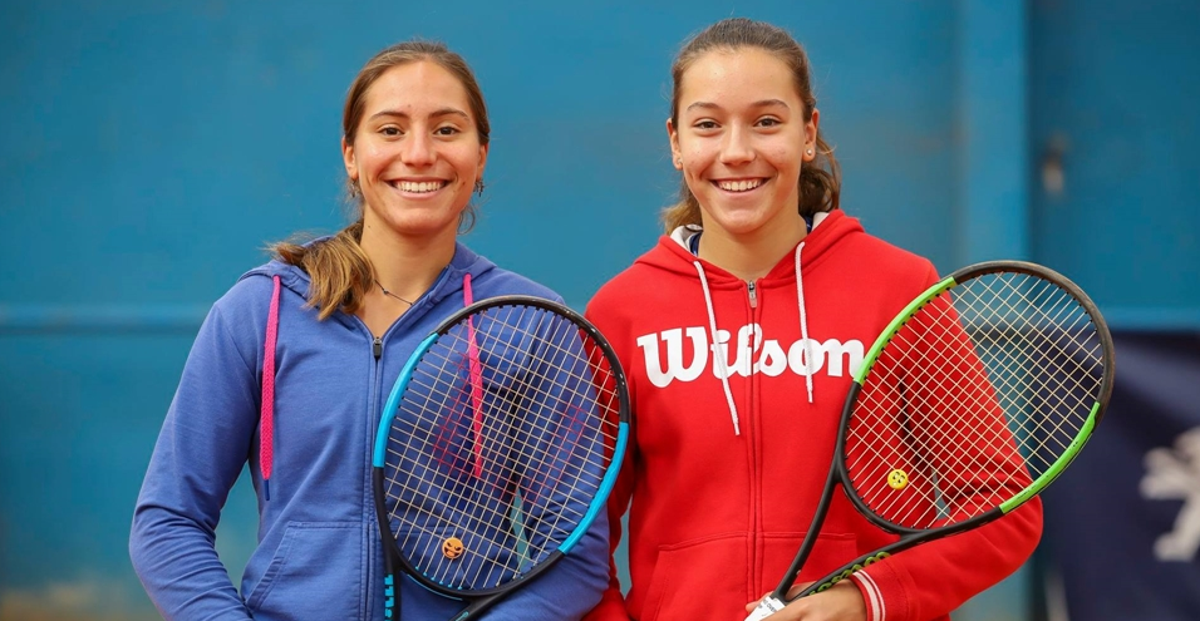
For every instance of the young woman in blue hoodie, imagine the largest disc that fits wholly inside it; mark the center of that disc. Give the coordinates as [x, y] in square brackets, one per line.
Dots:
[291, 367]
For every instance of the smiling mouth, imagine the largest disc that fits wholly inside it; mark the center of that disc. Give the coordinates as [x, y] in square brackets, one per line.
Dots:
[739, 185]
[418, 187]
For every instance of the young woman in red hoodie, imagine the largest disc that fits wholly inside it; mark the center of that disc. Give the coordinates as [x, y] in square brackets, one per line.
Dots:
[739, 332]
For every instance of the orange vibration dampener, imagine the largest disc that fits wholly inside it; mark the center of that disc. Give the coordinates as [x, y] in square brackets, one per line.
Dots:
[452, 547]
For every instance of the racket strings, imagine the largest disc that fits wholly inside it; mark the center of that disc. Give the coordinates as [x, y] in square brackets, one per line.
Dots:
[513, 481]
[974, 398]
[470, 507]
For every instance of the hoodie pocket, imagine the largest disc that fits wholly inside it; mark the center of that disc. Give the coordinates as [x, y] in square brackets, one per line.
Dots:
[316, 573]
[707, 578]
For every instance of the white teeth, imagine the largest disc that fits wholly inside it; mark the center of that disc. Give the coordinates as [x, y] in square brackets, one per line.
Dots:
[420, 186]
[739, 186]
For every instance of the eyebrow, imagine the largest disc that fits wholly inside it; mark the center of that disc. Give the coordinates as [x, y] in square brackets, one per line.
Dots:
[436, 113]
[762, 103]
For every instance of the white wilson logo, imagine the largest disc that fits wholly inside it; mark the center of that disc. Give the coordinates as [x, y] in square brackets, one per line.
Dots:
[752, 354]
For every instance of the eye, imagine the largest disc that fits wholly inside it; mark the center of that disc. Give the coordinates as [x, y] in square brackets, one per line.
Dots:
[705, 125]
[390, 131]
[769, 122]
[447, 130]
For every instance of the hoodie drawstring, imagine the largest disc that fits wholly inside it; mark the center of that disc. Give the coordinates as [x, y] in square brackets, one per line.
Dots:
[715, 348]
[720, 362]
[808, 352]
[266, 420]
[475, 370]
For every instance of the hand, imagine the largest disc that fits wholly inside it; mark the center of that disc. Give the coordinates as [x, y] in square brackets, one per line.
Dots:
[842, 602]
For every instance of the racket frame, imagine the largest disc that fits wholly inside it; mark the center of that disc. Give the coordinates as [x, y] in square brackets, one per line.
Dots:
[910, 537]
[481, 599]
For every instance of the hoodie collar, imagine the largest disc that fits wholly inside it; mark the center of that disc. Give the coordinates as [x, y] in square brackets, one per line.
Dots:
[450, 282]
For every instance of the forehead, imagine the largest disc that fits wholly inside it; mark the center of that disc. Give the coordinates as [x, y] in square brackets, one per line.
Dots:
[730, 78]
[416, 87]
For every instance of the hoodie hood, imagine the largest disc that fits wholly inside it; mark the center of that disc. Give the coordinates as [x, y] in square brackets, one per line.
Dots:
[672, 254]
[450, 282]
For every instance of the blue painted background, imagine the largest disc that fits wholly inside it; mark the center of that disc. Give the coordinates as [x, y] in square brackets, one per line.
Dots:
[151, 149]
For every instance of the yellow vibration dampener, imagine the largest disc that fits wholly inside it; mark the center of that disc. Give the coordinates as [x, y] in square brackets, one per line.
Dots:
[897, 479]
[452, 547]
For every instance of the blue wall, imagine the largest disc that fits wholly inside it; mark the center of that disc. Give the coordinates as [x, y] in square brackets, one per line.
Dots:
[151, 149]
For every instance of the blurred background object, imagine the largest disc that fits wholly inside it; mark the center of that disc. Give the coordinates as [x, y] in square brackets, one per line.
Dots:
[152, 149]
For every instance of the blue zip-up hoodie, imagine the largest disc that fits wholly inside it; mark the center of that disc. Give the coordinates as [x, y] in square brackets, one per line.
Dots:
[319, 554]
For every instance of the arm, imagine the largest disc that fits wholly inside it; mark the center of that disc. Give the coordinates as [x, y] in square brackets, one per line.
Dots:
[568, 451]
[933, 579]
[612, 602]
[199, 454]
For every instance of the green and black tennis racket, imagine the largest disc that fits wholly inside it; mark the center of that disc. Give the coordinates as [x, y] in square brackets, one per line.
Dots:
[971, 402]
[496, 449]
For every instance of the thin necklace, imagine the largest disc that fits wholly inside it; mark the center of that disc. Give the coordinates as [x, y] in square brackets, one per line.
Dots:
[389, 293]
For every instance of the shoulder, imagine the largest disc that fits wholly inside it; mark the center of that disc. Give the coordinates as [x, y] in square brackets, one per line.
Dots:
[243, 309]
[499, 281]
[892, 264]
[615, 305]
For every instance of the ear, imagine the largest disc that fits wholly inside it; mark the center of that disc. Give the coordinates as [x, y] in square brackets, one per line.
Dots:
[483, 153]
[676, 154]
[348, 160]
[810, 135]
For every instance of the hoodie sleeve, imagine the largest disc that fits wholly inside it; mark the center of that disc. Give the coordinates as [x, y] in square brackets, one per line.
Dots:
[203, 445]
[933, 579]
[568, 590]
[612, 604]
[573, 586]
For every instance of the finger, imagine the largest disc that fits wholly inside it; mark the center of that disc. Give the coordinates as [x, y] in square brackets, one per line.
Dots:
[754, 604]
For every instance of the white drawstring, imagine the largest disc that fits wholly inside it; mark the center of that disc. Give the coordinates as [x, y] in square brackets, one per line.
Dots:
[808, 352]
[714, 347]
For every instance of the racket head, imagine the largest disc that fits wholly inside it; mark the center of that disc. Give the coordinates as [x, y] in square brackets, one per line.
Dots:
[974, 398]
[498, 445]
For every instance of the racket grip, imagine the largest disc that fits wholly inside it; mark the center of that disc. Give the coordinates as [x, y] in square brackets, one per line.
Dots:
[767, 607]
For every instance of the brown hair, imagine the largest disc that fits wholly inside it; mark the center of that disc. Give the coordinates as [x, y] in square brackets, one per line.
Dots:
[340, 271]
[821, 180]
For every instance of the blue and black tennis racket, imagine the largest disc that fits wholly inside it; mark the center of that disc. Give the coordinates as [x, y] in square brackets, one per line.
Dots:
[496, 449]
[972, 401]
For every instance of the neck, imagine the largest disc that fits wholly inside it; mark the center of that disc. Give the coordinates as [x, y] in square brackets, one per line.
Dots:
[406, 266]
[751, 255]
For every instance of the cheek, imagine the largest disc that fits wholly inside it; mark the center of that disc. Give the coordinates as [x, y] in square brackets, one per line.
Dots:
[696, 160]
[372, 159]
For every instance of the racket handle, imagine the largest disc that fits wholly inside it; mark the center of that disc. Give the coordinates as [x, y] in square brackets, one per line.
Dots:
[767, 607]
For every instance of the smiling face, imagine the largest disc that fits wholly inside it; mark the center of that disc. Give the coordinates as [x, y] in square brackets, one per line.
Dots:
[417, 153]
[740, 139]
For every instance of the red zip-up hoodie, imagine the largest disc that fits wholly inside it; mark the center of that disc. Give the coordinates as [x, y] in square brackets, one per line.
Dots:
[732, 444]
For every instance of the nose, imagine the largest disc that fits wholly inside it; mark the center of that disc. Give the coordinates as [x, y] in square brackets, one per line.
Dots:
[736, 147]
[418, 150]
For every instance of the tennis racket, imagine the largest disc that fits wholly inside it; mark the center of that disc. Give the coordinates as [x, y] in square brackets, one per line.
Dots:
[496, 449]
[973, 400]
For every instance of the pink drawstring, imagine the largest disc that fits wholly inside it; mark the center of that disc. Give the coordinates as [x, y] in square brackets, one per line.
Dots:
[476, 373]
[266, 434]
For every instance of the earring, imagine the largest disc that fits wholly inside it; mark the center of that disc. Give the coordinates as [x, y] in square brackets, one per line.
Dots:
[479, 187]
[810, 151]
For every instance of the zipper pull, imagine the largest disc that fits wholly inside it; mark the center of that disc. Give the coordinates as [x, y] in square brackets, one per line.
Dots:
[377, 348]
[753, 291]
